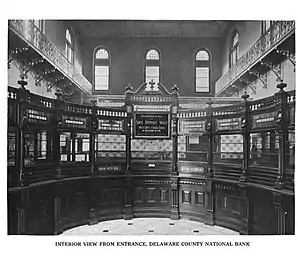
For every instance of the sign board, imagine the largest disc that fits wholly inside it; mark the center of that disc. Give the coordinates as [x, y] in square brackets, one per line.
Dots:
[152, 125]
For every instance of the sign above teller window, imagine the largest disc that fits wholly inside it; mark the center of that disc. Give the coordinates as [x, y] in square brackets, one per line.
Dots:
[152, 125]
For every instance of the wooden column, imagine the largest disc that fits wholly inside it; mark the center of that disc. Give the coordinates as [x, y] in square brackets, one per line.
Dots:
[58, 225]
[21, 211]
[22, 97]
[174, 190]
[128, 199]
[174, 128]
[282, 126]
[281, 213]
[210, 202]
[174, 198]
[210, 198]
[56, 143]
[93, 129]
[128, 106]
[245, 132]
[209, 133]
[128, 191]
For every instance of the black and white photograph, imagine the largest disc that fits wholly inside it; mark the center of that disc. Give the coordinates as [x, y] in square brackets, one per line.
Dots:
[150, 127]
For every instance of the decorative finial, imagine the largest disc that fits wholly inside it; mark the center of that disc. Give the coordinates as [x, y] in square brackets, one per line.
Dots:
[58, 94]
[245, 96]
[209, 103]
[152, 83]
[175, 89]
[281, 85]
[93, 101]
[128, 88]
[22, 82]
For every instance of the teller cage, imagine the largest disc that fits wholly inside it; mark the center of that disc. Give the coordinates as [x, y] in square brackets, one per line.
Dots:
[71, 165]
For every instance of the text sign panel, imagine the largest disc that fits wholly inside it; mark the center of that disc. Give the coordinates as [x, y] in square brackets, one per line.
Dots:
[153, 125]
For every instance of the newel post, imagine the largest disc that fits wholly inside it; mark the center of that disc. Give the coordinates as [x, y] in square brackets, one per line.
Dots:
[281, 125]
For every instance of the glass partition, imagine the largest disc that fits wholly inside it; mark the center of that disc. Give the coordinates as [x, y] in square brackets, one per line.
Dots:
[290, 164]
[110, 146]
[264, 149]
[228, 148]
[11, 147]
[192, 147]
[74, 147]
[36, 147]
[151, 150]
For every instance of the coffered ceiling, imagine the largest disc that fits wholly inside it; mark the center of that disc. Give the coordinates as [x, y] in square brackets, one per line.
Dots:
[150, 28]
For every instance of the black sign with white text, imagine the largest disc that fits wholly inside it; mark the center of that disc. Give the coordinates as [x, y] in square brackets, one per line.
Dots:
[152, 125]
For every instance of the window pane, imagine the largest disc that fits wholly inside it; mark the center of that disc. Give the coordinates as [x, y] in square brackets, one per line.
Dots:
[101, 78]
[152, 54]
[152, 73]
[68, 36]
[69, 53]
[267, 24]
[202, 55]
[202, 79]
[228, 148]
[102, 54]
[264, 149]
[11, 146]
[235, 39]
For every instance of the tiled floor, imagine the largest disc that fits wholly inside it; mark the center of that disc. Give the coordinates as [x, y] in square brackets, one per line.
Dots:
[149, 226]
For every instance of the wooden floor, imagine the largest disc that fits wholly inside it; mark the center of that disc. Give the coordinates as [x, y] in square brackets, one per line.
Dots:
[149, 226]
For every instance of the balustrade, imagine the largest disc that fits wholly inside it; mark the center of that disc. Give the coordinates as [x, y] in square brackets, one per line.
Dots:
[32, 34]
[268, 41]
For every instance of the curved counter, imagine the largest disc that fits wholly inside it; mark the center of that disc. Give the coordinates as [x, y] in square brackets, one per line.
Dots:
[51, 207]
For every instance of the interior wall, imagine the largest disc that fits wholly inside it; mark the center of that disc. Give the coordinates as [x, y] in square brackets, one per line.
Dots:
[55, 31]
[177, 61]
[249, 32]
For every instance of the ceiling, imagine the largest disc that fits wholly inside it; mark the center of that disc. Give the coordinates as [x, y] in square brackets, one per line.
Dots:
[150, 28]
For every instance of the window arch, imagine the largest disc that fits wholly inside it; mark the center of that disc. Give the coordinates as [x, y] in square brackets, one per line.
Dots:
[234, 49]
[202, 71]
[69, 46]
[101, 69]
[152, 66]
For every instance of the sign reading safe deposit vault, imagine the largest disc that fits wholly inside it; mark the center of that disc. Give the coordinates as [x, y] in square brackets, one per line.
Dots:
[153, 125]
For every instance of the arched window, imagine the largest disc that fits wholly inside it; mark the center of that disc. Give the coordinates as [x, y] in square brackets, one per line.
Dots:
[101, 69]
[69, 46]
[152, 66]
[202, 65]
[234, 49]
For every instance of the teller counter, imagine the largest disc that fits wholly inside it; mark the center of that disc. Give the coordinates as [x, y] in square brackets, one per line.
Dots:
[70, 165]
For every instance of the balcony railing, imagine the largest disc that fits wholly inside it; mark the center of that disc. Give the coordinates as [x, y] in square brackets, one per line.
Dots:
[28, 31]
[278, 31]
